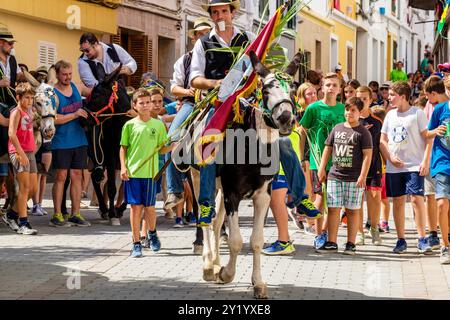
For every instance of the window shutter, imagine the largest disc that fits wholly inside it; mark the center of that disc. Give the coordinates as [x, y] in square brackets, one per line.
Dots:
[150, 55]
[116, 38]
[47, 54]
[138, 48]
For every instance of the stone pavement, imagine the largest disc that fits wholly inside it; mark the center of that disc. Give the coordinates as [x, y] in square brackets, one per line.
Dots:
[94, 263]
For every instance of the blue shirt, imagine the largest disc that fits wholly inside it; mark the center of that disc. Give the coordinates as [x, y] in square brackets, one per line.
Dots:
[440, 154]
[70, 134]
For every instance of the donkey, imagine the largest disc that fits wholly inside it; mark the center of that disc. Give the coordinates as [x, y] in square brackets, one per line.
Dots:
[236, 182]
[106, 107]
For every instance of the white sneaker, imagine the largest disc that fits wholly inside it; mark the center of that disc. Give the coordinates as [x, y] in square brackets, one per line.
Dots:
[375, 234]
[445, 256]
[115, 221]
[10, 223]
[360, 239]
[27, 230]
[42, 209]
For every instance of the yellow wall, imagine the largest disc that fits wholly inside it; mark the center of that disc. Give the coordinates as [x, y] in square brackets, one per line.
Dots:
[352, 5]
[345, 34]
[93, 17]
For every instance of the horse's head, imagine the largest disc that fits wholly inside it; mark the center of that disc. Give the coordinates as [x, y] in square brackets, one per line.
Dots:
[45, 103]
[278, 93]
[107, 97]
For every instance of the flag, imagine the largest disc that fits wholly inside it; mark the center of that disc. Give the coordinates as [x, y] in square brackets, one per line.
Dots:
[223, 114]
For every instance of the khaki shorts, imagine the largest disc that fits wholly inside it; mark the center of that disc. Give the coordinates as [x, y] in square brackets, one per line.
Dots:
[430, 186]
[18, 168]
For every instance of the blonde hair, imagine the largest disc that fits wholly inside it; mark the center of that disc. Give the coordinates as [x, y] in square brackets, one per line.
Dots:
[301, 93]
[140, 93]
[24, 88]
[365, 89]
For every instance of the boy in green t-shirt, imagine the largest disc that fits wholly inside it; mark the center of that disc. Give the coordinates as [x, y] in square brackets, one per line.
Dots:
[317, 122]
[141, 138]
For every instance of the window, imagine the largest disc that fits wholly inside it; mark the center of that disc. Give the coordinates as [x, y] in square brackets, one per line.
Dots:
[394, 7]
[318, 55]
[47, 54]
[262, 6]
[350, 62]
[337, 4]
[394, 51]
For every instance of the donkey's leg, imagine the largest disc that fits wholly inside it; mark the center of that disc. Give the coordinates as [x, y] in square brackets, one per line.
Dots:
[101, 202]
[112, 190]
[195, 185]
[261, 201]
[227, 273]
[217, 226]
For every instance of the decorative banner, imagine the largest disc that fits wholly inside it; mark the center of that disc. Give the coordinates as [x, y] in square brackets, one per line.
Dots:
[443, 18]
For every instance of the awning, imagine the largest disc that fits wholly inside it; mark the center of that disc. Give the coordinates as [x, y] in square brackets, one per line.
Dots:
[423, 4]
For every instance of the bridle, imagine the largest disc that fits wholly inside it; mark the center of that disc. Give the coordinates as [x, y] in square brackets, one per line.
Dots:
[110, 106]
[284, 79]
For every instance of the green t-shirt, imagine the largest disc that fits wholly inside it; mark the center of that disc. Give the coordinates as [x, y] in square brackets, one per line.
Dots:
[424, 65]
[319, 119]
[398, 75]
[142, 139]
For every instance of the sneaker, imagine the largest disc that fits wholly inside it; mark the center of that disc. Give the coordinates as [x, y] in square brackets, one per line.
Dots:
[307, 208]
[311, 230]
[178, 223]
[26, 229]
[367, 226]
[78, 220]
[320, 241]
[155, 244]
[445, 256]
[42, 209]
[344, 219]
[375, 234]
[192, 219]
[145, 242]
[385, 226]
[401, 246]
[360, 239]
[434, 242]
[136, 252]
[207, 213]
[11, 223]
[114, 222]
[58, 220]
[173, 199]
[296, 219]
[350, 249]
[423, 246]
[328, 247]
[278, 248]
[37, 211]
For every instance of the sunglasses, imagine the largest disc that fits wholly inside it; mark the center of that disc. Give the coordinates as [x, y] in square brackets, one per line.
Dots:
[86, 50]
[384, 89]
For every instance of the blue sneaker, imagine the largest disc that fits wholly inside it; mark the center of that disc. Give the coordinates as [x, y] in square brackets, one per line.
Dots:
[277, 248]
[207, 213]
[434, 242]
[401, 246]
[192, 219]
[136, 252]
[178, 223]
[307, 208]
[320, 241]
[155, 244]
[423, 246]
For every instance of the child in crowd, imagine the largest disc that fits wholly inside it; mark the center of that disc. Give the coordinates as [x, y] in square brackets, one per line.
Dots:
[142, 138]
[350, 143]
[21, 148]
[405, 145]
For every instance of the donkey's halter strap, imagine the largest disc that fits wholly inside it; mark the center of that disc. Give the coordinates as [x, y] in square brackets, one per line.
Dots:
[112, 99]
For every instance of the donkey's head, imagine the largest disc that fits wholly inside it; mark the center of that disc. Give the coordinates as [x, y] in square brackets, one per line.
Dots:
[278, 93]
[45, 103]
[107, 97]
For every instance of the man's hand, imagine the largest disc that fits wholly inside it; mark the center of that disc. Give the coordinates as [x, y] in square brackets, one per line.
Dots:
[81, 113]
[321, 175]
[439, 131]
[217, 83]
[124, 174]
[125, 70]
[396, 162]
[5, 83]
[361, 183]
[190, 92]
[23, 159]
[424, 168]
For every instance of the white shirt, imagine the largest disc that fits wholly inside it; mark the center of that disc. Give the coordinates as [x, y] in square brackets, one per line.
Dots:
[7, 69]
[86, 73]
[179, 74]
[198, 64]
[404, 138]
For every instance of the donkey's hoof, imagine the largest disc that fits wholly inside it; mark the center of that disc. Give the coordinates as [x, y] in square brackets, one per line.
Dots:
[197, 249]
[208, 275]
[224, 277]
[260, 291]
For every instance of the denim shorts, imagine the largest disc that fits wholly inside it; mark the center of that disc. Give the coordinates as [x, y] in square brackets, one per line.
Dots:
[442, 186]
[403, 183]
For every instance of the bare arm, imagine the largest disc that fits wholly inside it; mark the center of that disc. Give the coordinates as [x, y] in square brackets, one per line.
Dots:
[64, 118]
[323, 163]
[424, 168]
[4, 121]
[123, 167]
[168, 148]
[181, 92]
[203, 83]
[84, 91]
[302, 142]
[386, 154]
[367, 158]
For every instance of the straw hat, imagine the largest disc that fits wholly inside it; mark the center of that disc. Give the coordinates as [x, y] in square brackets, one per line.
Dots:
[213, 3]
[200, 24]
[5, 34]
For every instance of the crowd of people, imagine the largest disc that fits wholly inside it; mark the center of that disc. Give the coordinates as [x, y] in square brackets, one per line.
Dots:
[351, 143]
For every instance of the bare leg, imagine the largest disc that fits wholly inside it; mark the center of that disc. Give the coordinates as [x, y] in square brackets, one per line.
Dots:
[443, 212]
[420, 214]
[432, 218]
[135, 221]
[279, 211]
[58, 188]
[75, 190]
[399, 215]
[353, 217]
[333, 224]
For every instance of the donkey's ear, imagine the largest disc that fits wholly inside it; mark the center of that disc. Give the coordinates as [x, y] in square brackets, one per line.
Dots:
[51, 76]
[114, 75]
[258, 66]
[293, 66]
[32, 80]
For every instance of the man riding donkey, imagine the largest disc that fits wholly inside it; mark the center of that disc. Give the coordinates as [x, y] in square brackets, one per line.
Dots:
[95, 65]
[209, 67]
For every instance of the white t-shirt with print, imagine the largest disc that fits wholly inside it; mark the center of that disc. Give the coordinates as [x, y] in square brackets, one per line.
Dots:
[404, 138]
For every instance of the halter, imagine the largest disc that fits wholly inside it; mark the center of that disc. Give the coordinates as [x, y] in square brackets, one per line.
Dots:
[284, 79]
[49, 93]
[112, 99]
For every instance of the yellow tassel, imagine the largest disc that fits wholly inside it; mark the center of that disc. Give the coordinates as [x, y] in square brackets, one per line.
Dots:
[205, 140]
